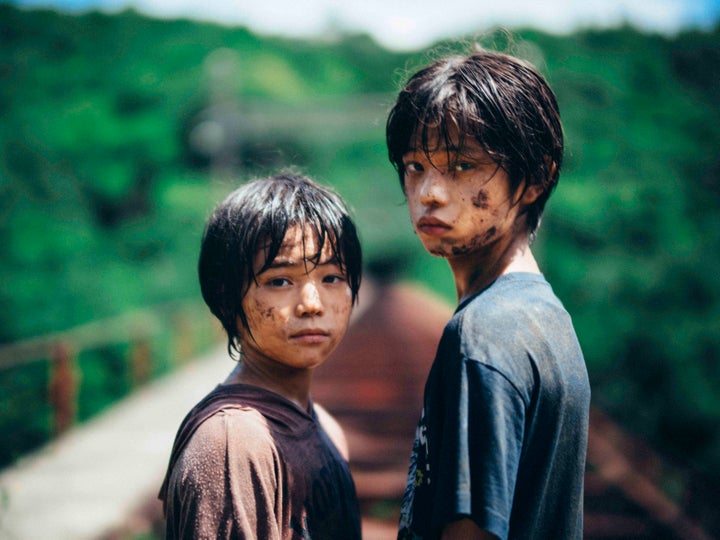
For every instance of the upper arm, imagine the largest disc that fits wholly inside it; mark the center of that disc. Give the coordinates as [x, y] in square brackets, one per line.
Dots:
[334, 431]
[225, 481]
[478, 455]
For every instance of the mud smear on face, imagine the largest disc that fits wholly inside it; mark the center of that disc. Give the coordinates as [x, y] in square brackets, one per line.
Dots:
[265, 312]
[477, 241]
[489, 234]
[462, 250]
[481, 200]
[342, 310]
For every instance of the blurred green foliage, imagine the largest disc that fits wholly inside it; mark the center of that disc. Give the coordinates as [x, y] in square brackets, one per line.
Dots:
[120, 133]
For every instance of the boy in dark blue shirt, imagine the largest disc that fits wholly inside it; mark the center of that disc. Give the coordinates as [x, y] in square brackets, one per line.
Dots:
[500, 447]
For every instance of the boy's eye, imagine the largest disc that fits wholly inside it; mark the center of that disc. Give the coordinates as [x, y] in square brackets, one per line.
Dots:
[334, 278]
[279, 282]
[413, 167]
[463, 166]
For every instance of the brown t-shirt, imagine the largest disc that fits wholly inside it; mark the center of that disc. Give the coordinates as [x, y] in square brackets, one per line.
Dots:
[248, 463]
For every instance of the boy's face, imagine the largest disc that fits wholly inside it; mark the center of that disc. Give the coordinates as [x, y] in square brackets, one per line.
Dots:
[460, 202]
[298, 310]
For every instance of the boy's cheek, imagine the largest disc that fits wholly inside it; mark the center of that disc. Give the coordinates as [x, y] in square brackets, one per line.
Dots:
[343, 307]
[343, 310]
[265, 312]
[258, 314]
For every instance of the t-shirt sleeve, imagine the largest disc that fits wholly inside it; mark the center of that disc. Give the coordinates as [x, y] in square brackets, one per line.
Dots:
[484, 417]
[225, 482]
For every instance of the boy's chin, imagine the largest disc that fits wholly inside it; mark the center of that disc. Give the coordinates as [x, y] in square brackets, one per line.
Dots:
[436, 249]
[435, 252]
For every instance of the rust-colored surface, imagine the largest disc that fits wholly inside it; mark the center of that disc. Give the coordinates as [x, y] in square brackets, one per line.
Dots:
[63, 387]
[373, 382]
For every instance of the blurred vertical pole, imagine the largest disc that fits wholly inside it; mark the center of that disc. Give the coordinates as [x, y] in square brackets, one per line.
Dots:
[218, 130]
[140, 362]
[63, 387]
[183, 337]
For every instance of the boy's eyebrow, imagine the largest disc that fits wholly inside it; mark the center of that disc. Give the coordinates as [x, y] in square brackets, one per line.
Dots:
[478, 154]
[280, 262]
[451, 149]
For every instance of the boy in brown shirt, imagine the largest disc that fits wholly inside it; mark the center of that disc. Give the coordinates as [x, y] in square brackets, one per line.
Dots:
[280, 267]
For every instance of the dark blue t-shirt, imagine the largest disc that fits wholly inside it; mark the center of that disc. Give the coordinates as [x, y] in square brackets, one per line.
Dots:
[503, 435]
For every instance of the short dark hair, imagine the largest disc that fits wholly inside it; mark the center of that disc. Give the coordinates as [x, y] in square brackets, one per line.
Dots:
[256, 217]
[502, 102]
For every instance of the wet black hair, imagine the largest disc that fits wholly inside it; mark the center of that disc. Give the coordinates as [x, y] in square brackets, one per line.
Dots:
[255, 218]
[500, 101]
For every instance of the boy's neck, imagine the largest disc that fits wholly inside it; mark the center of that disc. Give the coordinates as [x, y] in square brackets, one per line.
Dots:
[476, 272]
[294, 387]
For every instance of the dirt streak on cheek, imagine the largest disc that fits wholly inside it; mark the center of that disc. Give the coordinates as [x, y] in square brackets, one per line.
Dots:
[341, 309]
[481, 200]
[475, 243]
[263, 311]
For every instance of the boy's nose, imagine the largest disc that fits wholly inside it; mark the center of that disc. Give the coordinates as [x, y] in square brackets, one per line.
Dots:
[309, 302]
[432, 191]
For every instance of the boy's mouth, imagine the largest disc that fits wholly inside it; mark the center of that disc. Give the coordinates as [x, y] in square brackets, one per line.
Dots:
[432, 226]
[310, 335]
[310, 331]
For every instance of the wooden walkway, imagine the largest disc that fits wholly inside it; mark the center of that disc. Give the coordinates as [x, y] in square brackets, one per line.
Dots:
[91, 480]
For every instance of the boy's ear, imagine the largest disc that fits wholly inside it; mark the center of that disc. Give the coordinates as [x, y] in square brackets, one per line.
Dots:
[551, 167]
[534, 191]
[531, 194]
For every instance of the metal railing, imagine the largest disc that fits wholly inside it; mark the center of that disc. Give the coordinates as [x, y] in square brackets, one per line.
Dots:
[188, 323]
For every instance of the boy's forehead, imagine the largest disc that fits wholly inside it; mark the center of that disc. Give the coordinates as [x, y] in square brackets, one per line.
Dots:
[430, 137]
[438, 135]
[299, 246]
[301, 238]
[433, 141]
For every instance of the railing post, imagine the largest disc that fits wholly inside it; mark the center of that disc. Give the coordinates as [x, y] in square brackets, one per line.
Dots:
[183, 337]
[63, 387]
[140, 362]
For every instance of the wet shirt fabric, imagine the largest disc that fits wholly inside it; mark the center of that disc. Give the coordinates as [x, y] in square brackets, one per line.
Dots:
[249, 464]
[503, 435]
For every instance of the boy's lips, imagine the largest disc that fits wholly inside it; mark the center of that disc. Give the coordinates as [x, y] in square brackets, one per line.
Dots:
[432, 226]
[310, 335]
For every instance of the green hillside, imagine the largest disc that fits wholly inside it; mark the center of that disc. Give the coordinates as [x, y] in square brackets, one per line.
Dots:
[119, 133]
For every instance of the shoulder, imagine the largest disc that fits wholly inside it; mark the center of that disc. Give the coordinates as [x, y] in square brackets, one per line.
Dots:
[232, 443]
[233, 429]
[511, 295]
[333, 429]
[515, 310]
[507, 327]
[229, 463]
